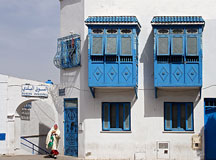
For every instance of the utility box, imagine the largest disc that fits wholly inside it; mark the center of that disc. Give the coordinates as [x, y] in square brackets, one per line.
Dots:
[196, 142]
[163, 150]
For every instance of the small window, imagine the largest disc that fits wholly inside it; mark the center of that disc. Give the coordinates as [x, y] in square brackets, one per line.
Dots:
[192, 31]
[163, 31]
[112, 31]
[177, 31]
[111, 45]
[126, 46]
[97, 31]
[177, 46]
[116, 116]
[178, 116]
[126, 31]
[163, 48]
[192, 46]
[97, 45]
[71, 102]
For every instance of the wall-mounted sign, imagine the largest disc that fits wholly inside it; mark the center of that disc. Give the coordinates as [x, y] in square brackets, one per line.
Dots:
[62, 92]
[28, 90]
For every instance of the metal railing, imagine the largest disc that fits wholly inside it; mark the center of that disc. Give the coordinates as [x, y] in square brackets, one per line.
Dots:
[33, 147]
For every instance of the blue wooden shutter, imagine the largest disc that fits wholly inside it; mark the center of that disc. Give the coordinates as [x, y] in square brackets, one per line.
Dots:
[189, 116]
[163, 45]
[192, 45]
[97, 45]
[177, 45]
[127, 117]
[106, 116]
[126, 45]
[111, 45]
[168, 116]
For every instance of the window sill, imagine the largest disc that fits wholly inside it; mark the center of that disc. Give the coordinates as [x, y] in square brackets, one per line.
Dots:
[115, 131]
[189, 132]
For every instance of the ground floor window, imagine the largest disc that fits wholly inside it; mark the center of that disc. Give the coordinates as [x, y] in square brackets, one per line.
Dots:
[178, 116]
[116, 116]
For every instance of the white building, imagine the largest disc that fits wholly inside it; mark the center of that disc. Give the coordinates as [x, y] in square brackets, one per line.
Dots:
[104, 111]
[147, 137]
[27, 114]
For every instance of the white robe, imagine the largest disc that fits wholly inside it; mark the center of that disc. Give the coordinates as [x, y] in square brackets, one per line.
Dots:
[56, 138]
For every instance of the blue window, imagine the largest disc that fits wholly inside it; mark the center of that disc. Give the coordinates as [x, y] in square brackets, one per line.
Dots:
[116, 116]
[68, 52]
[178, 116]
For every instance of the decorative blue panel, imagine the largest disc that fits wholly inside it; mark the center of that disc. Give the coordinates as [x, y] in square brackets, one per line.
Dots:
[70, 129]
[111, 73]
[177, 74]
[126, 74]
[96, 73]
[192, 74]
[163, 74]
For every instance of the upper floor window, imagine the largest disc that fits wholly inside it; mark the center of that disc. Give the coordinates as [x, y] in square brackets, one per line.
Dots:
[111, 42]
[116, 116]
[178, 116]
[177, 42]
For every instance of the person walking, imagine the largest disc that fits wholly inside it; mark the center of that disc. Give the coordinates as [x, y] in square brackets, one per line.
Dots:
[52, 140]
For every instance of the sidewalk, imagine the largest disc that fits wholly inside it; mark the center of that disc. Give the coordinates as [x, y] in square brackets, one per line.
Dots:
[37, 157]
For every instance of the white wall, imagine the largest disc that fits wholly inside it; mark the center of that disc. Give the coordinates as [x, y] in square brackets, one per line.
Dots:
[43, 115]
[146, 112]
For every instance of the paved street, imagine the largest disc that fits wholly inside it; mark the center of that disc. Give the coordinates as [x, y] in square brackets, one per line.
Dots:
[36, 157]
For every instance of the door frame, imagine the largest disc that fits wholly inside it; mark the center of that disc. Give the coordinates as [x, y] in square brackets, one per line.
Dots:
[66, 99]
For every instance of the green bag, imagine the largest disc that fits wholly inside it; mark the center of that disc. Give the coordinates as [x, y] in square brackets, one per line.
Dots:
[51, 142]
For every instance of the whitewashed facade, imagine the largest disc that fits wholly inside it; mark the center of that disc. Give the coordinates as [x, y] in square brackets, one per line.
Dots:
[147, 112]
[33, 124]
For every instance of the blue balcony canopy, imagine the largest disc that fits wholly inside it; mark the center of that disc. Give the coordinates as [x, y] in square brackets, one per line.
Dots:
[128, 20]
[177, 20]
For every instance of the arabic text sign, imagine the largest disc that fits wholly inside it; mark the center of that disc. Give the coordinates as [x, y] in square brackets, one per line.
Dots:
[34, 91]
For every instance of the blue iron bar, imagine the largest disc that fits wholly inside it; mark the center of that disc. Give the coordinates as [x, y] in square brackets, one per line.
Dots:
[92, 91]
[33, 145]
[135, 90]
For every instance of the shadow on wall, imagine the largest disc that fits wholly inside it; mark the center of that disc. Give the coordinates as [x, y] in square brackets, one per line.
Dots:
[43, 131]
[147, 58]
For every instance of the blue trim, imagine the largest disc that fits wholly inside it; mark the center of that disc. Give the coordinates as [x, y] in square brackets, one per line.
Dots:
[2, 136]
[117, 116]
[170, 104]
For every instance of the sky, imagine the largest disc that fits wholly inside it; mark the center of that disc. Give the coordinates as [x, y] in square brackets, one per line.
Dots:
[28, 34]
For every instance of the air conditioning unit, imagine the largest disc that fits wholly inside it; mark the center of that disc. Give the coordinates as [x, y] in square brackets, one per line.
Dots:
[163, 150]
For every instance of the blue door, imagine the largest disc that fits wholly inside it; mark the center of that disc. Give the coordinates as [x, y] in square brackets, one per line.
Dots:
[210, 128]
[71, 127]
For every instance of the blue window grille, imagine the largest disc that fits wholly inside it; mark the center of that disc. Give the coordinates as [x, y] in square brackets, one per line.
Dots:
[68, 52]
[178, 116]
[116, 116]
[210, 105]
